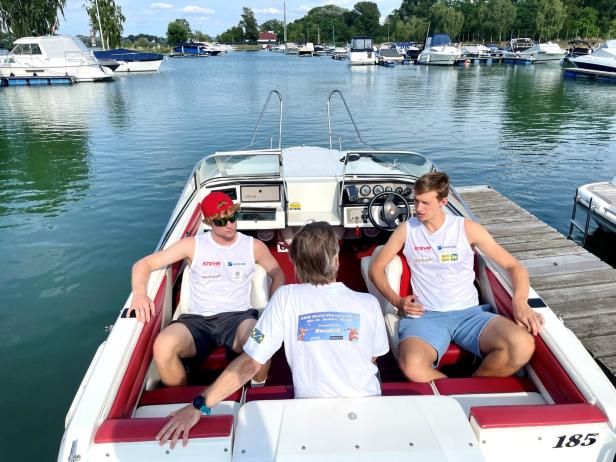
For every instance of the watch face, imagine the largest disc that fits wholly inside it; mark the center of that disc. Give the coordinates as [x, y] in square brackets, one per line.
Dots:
[198, 402]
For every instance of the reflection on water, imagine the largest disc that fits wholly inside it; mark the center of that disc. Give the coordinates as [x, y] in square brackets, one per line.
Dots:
[90, 173]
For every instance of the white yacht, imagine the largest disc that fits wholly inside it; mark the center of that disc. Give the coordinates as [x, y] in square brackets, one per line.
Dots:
[544, 52]
[306, 50]
[361, 52]
[389, 53]
[290, 48]
[439, 51]
[53, 56]
[599, 201]
[602, 60]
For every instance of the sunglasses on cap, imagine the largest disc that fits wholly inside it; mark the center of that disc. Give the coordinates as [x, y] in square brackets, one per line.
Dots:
[224, 220]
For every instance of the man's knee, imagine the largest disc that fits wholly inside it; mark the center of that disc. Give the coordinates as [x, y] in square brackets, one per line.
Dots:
[167, 346]
[416, 361]
[521, 347]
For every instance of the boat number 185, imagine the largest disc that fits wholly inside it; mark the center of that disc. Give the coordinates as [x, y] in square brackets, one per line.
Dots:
[576, 440]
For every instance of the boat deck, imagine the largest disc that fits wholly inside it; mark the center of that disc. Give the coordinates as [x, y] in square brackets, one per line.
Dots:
[577, 285]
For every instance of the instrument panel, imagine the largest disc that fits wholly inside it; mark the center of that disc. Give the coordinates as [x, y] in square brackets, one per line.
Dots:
[362, 192]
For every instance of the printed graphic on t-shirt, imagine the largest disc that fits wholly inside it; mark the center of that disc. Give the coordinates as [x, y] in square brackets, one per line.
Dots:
[328, 325]
[448, 257]
[257, 335]
[237, 275]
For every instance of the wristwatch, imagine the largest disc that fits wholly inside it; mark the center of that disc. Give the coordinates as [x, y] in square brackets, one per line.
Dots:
[198, 403]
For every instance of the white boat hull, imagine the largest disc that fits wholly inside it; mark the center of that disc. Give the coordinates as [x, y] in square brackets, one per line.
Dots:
[84, 73]
[139, 66]
[361, 58]
[438, 59]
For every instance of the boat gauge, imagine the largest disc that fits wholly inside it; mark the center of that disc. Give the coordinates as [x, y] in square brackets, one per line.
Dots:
[378, 189]
[389, 188]
[365, 190]
[407, 192]
[399, 190]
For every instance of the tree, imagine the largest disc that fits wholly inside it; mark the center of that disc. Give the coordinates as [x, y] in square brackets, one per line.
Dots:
[583, 22]
[249, 24]
[366, 18]
[234, 34]
[551, 19]
[32, 17]
[496, 18]
[201, 37]
[178, 31]
[111, 20]
[445, 19]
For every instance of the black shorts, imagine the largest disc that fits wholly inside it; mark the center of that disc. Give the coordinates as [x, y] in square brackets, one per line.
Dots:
[210, 332]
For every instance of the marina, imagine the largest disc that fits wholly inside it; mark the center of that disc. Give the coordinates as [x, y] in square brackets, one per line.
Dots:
[504, 124]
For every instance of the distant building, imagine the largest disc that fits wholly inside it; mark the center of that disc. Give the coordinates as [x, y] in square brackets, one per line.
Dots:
[267, 37]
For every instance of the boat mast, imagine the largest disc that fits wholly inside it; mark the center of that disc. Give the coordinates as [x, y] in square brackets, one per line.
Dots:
[334, 35]
[100, 27]
[285, 20]
[318, 35]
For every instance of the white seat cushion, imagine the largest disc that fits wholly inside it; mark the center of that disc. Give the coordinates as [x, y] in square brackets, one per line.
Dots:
[259, 290]
[393, 273]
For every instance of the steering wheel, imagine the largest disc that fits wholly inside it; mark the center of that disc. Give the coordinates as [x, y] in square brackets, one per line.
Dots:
[395, 210]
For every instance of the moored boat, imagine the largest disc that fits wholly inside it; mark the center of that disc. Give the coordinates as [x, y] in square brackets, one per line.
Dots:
[599, 202]
[560, 407]
[53, 56]
[361, 52]
[131, 60]
[438, 51]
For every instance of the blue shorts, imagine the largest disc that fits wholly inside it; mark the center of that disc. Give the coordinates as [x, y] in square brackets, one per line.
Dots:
[440, 328]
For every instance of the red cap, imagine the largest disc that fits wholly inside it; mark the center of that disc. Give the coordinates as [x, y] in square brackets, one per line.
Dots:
[214, 203]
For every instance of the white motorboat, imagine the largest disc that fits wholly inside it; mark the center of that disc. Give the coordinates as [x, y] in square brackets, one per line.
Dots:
[476, 51]
[290, 48]
[438, 51]
[561, 406]
[306, 49]
[389, 53]
[131, 60]
[52, 56]
[600, 61]
[361, 52]
[543, 52]
[599, 201]
[340, 53]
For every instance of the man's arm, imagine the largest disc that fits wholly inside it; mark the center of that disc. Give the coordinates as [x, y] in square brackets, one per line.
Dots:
[265, 258]
[141, 303]
[240, 371]
[524, 315]
[405, 305]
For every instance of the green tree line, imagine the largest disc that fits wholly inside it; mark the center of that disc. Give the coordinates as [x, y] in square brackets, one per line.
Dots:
[469, 20]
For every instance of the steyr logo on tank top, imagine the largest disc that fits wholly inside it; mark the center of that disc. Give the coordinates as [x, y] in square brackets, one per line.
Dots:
[328, 325]
[210, 263]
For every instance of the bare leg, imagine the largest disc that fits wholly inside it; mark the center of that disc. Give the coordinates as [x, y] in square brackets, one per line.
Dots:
[241, 337]
[507, 348]
[416, 360]
[172, 344]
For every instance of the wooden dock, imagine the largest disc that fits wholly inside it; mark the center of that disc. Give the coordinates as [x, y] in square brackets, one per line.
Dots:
[577, 285]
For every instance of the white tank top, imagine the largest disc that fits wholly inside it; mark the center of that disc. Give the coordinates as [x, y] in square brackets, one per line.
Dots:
[441, 263]
[220, 275]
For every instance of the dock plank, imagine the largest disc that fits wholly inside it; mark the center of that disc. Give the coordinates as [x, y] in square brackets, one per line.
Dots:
[576, 285]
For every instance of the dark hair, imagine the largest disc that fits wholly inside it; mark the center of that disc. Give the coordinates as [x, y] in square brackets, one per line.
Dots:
[313, 253]
[433, 181]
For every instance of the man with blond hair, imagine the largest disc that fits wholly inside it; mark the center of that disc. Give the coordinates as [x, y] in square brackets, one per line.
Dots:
[221, 263]
[331, 334]
[445, 306]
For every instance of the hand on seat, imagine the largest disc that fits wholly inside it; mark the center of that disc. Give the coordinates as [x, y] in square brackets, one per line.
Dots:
[408, 307]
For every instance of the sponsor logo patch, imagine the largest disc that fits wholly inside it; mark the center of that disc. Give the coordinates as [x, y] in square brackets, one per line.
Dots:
[257, 335]
[210, 263]
[445, 247]
[422, 260]
[448, 257]
[422, 248]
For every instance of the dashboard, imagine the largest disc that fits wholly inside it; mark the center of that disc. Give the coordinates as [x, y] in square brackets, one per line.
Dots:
[357, 195]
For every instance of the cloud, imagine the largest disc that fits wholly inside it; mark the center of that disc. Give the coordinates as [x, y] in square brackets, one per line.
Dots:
[271, 11]
[196, 10]
[161, 6]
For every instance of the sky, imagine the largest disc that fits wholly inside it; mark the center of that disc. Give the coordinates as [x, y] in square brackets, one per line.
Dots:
[209, 16]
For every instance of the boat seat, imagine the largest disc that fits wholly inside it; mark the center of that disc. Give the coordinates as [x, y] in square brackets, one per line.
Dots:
[406, 388]
[398, 275]
[269, 392]
[259, 296]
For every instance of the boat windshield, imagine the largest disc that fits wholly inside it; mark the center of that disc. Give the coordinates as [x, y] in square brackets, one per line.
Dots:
[386, 163]
[361, 43]
[233, 164]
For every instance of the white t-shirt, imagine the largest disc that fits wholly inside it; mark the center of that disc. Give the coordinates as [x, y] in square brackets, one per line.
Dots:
[220, 275]
[442, 273]
[330, 333]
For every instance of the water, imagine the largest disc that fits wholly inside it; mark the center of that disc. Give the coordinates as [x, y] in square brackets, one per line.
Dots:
[89, 175]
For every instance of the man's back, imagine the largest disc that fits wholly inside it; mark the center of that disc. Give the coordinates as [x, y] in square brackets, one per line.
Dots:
[330, 333]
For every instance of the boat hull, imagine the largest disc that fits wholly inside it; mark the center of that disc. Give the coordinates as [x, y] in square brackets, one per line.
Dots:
[84, 73]
[139, 66]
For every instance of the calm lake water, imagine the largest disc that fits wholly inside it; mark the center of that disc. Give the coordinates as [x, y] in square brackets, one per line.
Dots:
[89, 175]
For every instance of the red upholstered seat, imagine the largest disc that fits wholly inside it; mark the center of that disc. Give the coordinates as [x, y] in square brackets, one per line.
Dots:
[536, 415]
[146, 429]
[270, 392]
[172, 395]
[480, 385]
[216, 361]
[405, 389]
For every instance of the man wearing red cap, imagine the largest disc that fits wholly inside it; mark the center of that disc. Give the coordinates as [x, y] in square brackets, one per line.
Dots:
[221, 265]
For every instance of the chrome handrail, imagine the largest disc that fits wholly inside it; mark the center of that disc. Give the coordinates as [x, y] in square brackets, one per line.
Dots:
[254, 133]
[329, 120]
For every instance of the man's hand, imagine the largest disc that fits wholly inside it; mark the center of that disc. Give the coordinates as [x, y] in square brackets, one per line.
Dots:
[407, 307]
[526, 317]
[180, 424]
[143, 307]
